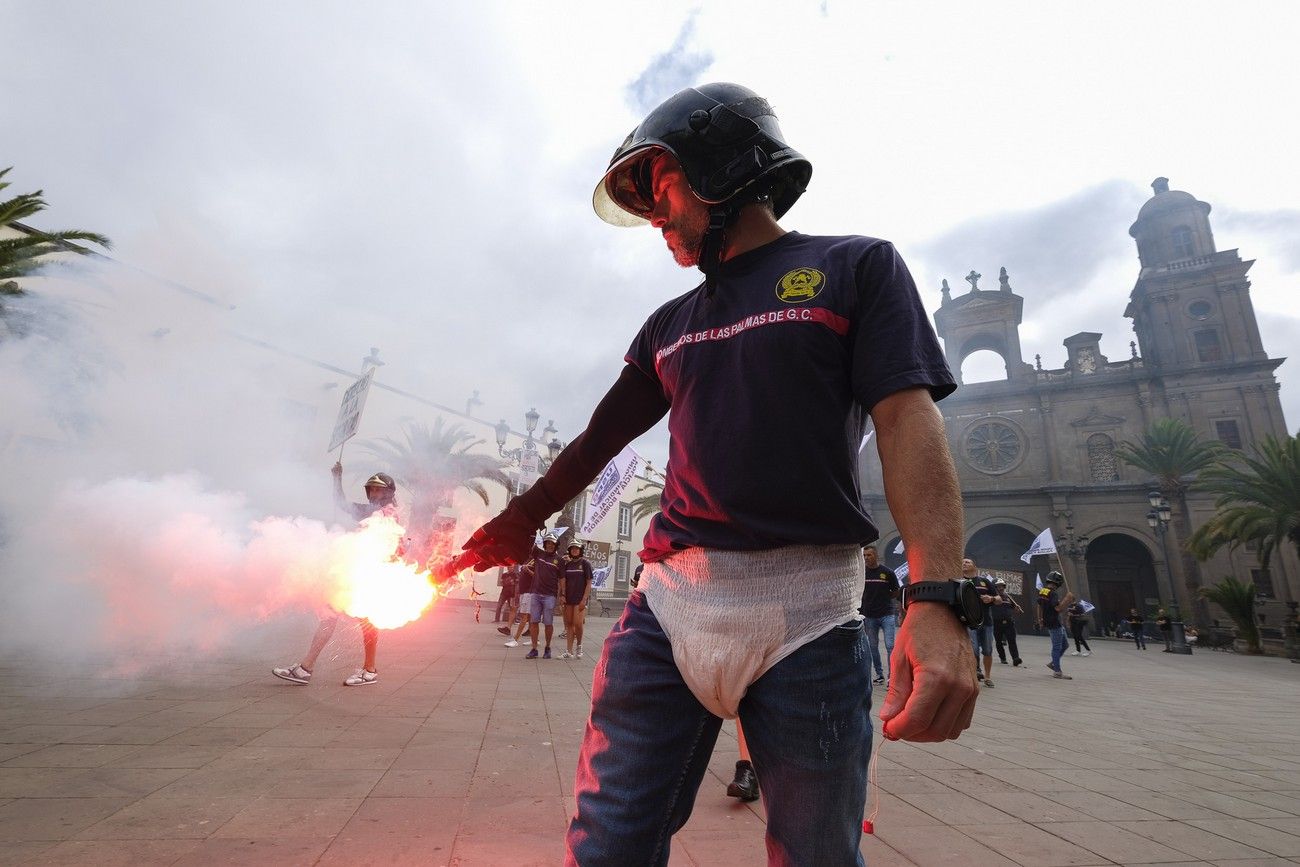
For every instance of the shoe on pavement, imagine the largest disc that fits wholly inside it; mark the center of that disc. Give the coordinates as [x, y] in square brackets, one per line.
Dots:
[579, 653]
[988, 681]
[566, 655]
[294, 674]
[745, 785]
[1060, 676]
[1074, 653]
[546, 654]
[512, 643]
[1003, 661]
[979, 675]
[1017, 662]
[880, 678]
[1087, 653]
[532, 654]
[504, 630]
[361, 677]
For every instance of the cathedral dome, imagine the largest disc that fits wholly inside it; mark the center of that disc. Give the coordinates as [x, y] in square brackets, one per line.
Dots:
[1172, 226]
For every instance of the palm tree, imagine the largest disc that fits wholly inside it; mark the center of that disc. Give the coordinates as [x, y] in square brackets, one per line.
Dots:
[647, 504]
[1258, 501]
[1238, 602]
[433, 463]
[1172, 452]
[23, 255]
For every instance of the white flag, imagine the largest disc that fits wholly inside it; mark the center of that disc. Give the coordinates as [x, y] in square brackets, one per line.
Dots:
[1042, 545]
[901, 573]
[557, 532]
[1088, 607]
[610, 485]
[598, 577]
[1038, 582]
[898, 549]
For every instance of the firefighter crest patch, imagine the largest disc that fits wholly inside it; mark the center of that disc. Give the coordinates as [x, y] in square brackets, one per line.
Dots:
[800, 285]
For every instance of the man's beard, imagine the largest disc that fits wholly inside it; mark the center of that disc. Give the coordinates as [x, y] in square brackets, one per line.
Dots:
[688, 235]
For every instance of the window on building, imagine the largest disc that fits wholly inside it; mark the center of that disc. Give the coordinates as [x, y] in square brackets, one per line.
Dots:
[1102, 465]
[580, 511]
[1228, 433]
[622, 560]
[1207, 346]
[624, 521]
[1182, 237]
[1263, 581]
[1200, 309]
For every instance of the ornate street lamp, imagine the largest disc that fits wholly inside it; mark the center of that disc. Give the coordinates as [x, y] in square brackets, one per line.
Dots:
[1158, 519]
[517, 456]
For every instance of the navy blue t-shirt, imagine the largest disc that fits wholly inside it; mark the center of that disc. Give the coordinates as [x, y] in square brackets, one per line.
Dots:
[770, 381]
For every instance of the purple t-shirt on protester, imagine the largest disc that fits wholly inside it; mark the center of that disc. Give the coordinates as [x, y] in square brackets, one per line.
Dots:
[770, 381]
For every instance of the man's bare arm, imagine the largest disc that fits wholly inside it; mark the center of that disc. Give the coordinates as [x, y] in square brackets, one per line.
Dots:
[932, 687]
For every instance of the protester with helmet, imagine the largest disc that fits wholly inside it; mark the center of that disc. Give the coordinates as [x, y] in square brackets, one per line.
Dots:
[381, 499]
[1004, 623]
[575, 588]
[981, 639]
[546, 568]
[753, 568]
[1050, 606]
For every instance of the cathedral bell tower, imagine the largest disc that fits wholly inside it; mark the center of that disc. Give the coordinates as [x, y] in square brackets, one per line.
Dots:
[983, 319]
[1191, 303]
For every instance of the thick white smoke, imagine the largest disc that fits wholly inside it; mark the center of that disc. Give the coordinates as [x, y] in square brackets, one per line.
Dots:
[163, 490]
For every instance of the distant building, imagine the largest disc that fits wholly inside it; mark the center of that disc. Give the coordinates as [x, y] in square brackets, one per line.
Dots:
[1037, 449]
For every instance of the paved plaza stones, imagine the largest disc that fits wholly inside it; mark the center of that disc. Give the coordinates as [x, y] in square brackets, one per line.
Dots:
[463, 754]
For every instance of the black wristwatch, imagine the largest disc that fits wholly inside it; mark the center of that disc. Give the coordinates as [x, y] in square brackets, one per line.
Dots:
[961, 596]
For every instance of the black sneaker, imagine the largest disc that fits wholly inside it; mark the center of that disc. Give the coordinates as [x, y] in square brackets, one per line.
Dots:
[745, 785]
[880, 678]
[1016, 662]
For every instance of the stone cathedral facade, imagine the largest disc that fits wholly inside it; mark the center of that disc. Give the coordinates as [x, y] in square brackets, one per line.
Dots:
[1037, 449]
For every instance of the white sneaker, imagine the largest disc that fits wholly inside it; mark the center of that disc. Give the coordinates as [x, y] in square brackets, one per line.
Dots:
[512, 643]
[361, 677]
[294, 674]
[1087, 653]
[566, 655]
[579, 653]
[1074, 653]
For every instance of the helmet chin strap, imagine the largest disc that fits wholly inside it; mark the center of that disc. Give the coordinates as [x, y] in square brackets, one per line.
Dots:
[715, 240]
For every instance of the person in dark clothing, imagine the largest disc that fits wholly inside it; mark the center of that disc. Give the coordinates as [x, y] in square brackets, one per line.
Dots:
[546, 586]
[381, 499]
[1050, 606]
[506, 598]
[1004, 624]
[1137, 625]
[575, 588]
[879, 589]
[1079, 629]
[981, 639]
[524, 577]
[1165, 624]
[767, 371]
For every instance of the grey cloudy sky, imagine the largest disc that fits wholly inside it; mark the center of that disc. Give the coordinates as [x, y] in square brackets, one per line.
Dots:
[417, 176]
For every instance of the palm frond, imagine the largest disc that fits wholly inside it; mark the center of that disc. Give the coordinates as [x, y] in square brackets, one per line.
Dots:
[1170, 451]
[1237, 599]
[1258, 500]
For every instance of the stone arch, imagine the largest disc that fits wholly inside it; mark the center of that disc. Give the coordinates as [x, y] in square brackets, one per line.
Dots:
[995, 546]
[1121, 575]
[985, 342]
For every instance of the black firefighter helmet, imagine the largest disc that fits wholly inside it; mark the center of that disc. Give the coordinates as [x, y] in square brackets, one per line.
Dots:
[731, 150]
[728, 143]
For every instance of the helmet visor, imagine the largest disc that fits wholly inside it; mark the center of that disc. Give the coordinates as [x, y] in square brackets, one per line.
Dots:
[624, 196]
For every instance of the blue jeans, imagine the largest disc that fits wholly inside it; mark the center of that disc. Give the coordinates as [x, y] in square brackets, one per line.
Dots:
[981, 640]
[648, 743]
[1059, 643]
[874, 626]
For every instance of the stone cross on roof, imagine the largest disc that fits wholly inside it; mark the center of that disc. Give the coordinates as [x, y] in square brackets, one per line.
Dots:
[974, 280]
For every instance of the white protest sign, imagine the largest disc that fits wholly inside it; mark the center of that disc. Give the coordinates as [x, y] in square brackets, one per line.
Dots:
[1042, 545]
[610, 485]
[530, 465]
[354, 401]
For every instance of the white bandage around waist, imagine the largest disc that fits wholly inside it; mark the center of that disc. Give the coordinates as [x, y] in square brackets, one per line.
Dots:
[732, 615]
